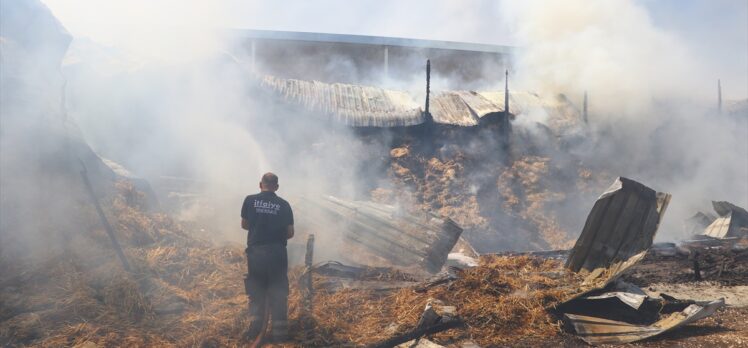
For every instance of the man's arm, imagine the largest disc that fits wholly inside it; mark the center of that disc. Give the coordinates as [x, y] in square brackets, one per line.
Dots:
[289, 220]
[245, 214]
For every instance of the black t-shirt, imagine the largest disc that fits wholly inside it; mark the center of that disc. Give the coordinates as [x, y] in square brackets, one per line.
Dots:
[269, 217]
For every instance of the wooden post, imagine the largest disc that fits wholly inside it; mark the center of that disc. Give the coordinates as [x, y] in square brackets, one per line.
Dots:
[428, 89]
[308, 263]
[584, 108]
[719, 96]
[506, 94]
[305, 283]
[505, 127]
[104, 221]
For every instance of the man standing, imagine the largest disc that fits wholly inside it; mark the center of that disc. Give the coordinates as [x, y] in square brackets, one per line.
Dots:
[269, 222]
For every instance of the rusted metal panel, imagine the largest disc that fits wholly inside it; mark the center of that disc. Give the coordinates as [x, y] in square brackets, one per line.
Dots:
[619, 229]
[396, 237]
[353, 105]
[732, 221]
[597, 331]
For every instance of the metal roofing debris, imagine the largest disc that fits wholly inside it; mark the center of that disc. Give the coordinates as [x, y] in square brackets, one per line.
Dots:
[732, 221]
[395, 236]
[619, 229]
[353, 105]
[697, 223]
[519, 101]
[369, 40]
[594, 330]
[627, 293]
[366, 106]
[618, 232]
[450, 108]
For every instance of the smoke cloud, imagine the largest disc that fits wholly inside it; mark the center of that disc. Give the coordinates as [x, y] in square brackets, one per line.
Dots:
[653, 105]
[157, 87]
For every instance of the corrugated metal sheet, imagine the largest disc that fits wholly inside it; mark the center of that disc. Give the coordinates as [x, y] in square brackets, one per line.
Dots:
[462, 108]
[353, 105]
[720, 227]
[365, 106]
[617, 234]
[450, 108]
[562, 114]
[369, 40]
[730, 222]
[519, 102]
[397, 237]
[479, 105]
[596, 331]
[697, 223]
[619, 229]
[465, 108]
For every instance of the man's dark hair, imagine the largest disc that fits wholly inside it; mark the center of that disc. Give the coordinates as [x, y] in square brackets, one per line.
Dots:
[270, 179]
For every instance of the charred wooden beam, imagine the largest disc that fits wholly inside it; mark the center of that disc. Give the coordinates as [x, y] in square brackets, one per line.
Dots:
[584, 109]
[426, 112]
[505, 127]
[307, 293]
[429, 324]
[104, 221]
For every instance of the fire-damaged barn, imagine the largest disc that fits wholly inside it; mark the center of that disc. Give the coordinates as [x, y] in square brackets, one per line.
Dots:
[464, 215]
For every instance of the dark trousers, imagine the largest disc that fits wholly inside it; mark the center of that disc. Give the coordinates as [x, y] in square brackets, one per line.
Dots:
[267, 280]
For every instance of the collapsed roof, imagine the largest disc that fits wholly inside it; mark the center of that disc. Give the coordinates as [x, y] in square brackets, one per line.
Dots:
[619, 229]
[367, 106]
[732, 221]
[617, 234]
[352, 105]
[390, 235]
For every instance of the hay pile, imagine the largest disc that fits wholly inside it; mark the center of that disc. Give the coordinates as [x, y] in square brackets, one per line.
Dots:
[188, 292]
[504, 299]
[530, 202]
[182, 291]
[535, 190]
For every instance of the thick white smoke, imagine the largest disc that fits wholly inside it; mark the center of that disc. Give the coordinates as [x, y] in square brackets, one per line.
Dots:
[157, 91]
[652, 99]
